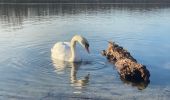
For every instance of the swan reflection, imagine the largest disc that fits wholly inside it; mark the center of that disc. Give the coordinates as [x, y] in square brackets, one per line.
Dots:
[60, 66]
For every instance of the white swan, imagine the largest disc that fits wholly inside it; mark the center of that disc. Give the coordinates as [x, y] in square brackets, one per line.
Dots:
[66, 51]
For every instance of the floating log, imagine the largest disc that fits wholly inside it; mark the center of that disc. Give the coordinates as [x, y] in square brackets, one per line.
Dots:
[128, 67]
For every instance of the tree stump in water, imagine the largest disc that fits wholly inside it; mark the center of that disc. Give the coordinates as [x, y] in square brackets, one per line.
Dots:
[128, 67]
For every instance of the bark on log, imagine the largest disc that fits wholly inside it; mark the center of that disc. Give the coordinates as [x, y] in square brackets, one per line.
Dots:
[128, 67]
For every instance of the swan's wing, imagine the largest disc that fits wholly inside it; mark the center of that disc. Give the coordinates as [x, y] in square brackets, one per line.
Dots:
[61, 51]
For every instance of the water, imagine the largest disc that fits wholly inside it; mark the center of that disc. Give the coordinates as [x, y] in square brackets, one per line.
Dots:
[28, 32]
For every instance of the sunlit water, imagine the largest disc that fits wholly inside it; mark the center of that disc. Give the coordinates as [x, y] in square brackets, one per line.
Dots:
[28, 32]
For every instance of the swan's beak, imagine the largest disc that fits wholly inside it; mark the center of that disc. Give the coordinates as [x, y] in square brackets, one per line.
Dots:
[87, 49]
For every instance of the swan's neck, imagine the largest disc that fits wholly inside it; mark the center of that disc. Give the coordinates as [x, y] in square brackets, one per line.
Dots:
[73, 50]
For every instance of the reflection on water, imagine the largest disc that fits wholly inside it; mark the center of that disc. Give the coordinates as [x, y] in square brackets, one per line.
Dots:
[140, 85]
[61, 65]
[74, 80]
[15, 15]
[28, 32]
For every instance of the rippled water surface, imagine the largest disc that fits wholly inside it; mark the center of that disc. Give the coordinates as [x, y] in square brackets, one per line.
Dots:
[28, 32]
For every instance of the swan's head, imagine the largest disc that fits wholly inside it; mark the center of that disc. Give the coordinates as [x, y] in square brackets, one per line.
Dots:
[85, 44]
[83, 41]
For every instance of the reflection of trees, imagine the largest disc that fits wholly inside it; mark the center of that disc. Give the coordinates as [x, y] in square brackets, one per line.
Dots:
[13, 15]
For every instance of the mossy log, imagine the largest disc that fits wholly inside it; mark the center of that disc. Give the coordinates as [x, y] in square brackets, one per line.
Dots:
[127, 66]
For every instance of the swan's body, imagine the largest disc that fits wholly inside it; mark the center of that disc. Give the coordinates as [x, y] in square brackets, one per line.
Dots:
[62, 51]
[66, 51]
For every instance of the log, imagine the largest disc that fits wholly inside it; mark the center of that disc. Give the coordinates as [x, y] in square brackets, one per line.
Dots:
[127, 66]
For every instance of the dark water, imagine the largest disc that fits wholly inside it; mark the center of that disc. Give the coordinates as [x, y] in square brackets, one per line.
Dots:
[28, 32]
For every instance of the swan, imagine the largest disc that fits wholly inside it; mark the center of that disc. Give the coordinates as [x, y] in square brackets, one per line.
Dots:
[66, 51]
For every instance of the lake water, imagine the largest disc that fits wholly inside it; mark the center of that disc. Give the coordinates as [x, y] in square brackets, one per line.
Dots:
[29, 31]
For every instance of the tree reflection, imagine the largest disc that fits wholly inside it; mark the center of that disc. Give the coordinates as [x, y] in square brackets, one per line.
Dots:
[14, 15]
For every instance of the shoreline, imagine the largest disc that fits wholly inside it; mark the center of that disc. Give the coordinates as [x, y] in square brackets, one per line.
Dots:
[97, 3]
